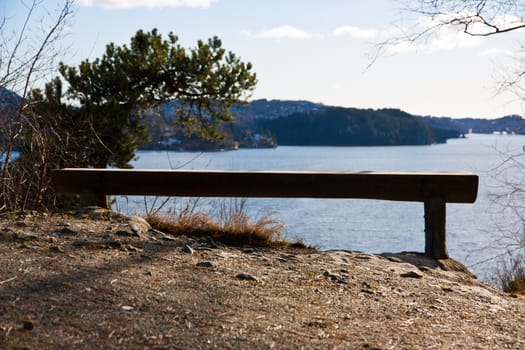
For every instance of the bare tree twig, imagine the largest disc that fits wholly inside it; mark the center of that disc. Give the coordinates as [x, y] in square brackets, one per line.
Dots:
[9, 280]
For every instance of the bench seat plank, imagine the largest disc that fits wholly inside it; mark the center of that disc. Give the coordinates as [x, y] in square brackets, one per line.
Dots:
[452, 187]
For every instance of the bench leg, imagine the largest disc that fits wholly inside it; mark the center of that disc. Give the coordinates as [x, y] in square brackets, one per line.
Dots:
[435, 234]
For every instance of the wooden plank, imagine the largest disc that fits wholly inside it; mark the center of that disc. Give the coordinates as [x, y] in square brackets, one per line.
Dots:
[452, 187]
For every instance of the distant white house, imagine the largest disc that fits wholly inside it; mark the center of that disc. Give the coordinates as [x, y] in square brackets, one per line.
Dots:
[171, 141]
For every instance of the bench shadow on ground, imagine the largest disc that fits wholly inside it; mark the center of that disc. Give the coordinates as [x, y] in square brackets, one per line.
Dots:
[52, 283]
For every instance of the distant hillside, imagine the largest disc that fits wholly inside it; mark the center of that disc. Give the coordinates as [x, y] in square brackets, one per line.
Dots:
[242, 131]
[9, 101]
[337, 126]
[509, 124]
[266, 123]
[271, 109]
[9, 104]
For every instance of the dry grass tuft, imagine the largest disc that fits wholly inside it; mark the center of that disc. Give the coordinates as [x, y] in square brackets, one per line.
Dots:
[510, 274]
[231, 226]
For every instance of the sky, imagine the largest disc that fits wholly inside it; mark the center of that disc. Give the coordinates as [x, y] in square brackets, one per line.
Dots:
[316, 50]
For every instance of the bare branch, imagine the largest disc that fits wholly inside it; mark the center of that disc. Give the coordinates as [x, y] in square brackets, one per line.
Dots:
[22, 64]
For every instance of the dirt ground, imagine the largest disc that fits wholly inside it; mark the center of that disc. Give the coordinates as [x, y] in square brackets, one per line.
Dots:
[104, 281]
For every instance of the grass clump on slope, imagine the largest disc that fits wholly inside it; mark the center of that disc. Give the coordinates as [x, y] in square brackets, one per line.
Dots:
[231, 225]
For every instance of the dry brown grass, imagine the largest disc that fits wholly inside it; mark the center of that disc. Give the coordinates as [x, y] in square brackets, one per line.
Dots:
[510, 274]
[231, 225]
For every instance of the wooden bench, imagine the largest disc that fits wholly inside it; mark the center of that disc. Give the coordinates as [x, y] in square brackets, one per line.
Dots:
[434, 189]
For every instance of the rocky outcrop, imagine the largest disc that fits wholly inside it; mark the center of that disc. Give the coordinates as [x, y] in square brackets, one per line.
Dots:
[85, 280]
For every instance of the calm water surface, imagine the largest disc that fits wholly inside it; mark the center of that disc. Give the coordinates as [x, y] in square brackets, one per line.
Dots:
[369, 225]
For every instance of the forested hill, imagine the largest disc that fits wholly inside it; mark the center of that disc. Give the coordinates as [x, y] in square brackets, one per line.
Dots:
[512, 124]
[337, 126]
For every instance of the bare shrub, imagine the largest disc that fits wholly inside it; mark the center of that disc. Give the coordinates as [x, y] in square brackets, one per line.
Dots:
[25, 127]
[507, 196]
[510, 274]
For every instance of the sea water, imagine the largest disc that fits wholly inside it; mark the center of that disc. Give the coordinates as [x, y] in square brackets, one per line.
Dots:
[371, 225]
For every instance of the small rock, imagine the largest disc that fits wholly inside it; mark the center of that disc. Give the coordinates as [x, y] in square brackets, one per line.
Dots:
[138, 225]
[439, 308]
[115, 244]
[25, 237]
[205, 264]
[94, 213]
[334, 276]
[411, 274]
[394, 259]
[207, 242]
[363, 256]
[445, 287]
[247, 277]
[226, 255]
[370, 288]
[367, 291]
[127, 233]
[28, 325]
[166, 237]
[285, 257]
[81, 243]
[148, 273]
[66, 231]
[187, 249]
[127, 308]
[131, 248]
[55, 249]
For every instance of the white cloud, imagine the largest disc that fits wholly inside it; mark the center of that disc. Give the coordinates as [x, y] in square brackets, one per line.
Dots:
[127, 4]
[452, 22]
[356, 32]
[443, 41]
[506, 21]
[451, 38]
[400, 47]
[441, 37]
[496, 52]
[286, 32]
[245, 32]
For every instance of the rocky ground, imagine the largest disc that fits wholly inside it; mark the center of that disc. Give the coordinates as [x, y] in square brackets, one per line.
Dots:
[105, 281]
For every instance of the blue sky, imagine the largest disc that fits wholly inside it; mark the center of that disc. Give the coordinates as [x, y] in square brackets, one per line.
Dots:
[315, 50]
